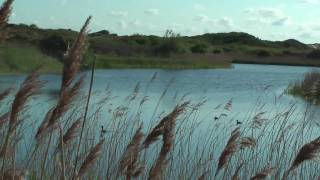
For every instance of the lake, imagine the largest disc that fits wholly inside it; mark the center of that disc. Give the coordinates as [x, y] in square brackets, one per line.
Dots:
[240, 93]
[244, 84]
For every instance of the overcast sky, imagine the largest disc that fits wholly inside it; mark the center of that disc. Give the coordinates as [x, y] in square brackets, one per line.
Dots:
[266, 19]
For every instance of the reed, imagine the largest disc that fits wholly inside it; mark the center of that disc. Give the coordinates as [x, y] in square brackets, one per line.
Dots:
[129, 164]
[264, 173]
[29, 88]
[228, 151]
[166, 129]
[308, 152]
[5, 11]
[90, 158]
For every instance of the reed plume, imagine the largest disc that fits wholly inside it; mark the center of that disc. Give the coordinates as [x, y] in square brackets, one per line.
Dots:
[73, 56]
[66, 100]
[5, 11]
[43, 126]
[129, 165]
[308, 152]
[4, 118]
[4, 94]
[91, 158]
[236, 174]
[159, 129]
[28, 88]
[166, 129]
[203, 176]
[264, 173]
[71, 134]
[228, 151]
[247, 142]
[71, 66]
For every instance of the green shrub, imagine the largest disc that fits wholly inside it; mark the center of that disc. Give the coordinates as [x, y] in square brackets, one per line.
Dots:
[263, 53]
[199, 48]
[54, 45]
[315, 54]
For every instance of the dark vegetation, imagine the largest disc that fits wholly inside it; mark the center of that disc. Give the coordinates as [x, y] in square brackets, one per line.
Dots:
[308, 88]
[136, 48]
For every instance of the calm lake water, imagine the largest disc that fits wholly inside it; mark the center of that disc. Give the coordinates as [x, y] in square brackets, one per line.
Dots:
[244, 84]
[252, 89]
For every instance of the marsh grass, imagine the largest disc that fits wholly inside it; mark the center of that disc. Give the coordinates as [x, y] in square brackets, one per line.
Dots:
[179, 143]
[308, 88]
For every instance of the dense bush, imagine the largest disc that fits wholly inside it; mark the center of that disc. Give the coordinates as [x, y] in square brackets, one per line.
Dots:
[315, 54]
[199, 48]
[263, 53]
[216, 51]
[54, 45]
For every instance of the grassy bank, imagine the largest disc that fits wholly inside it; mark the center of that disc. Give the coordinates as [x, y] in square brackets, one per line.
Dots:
[280, 60]
[173, 62]
[23, 59]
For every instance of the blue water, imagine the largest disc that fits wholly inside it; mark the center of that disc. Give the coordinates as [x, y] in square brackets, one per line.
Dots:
[244, 84]
[252, 89]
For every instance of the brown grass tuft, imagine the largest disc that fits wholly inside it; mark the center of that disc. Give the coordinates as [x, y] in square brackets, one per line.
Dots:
[166, 128]
[129, 161]
[4, 94]
[235, 176]
[66, 100]
[5, 11]
[247, 142]
[91, 158]
[308, 152]
[159, 129]
[73, 57]
[28, 88]
[264, 173]
[71, 134]
[43, 126]
[4, 118]
[230, 148]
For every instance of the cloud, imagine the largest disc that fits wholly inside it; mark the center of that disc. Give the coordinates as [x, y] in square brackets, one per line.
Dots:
[136, 23]
[122, 24]
[271, 16]
[310, 1]
[199, 7]
[119, 13]
[281, 22]
[225, 22]
[255, 21]
[152, 11]
[175, 26]
[201, 18]
[264, 12]
[306, 35]
[63, 2]
[52, 18]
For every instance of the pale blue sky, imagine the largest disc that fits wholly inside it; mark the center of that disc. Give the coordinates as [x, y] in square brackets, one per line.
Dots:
[266, 19]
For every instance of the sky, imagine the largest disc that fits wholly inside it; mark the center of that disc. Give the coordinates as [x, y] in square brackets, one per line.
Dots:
[266, 19]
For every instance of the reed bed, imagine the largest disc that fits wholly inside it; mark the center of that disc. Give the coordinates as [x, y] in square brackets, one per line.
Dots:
[88, 134]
